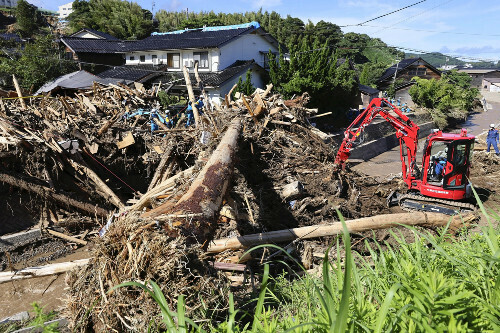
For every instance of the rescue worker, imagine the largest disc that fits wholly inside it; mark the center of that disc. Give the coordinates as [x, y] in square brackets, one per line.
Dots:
[199, 105]
[492, 139]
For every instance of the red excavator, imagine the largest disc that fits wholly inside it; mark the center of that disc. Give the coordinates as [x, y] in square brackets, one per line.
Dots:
[441, 184]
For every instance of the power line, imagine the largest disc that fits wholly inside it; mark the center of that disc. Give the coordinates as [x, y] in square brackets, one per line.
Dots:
[383, 15]
[433, 31]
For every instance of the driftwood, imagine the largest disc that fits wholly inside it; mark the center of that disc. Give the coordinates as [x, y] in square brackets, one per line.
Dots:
[52, 269]
[204, 198]
[48, 193]
[357, 225]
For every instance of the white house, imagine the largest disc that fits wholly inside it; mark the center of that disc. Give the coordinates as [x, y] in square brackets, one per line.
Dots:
[8, 3]
[223, 54]
[65, 10]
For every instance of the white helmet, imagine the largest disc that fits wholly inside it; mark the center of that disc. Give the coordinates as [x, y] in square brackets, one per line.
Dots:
[492, 125]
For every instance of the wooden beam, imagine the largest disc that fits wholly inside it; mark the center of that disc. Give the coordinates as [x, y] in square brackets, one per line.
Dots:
[358, 225]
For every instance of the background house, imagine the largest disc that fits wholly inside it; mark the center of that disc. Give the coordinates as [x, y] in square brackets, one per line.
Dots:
[478, 75]
[92, 46]
[64, 10]
[401, 74]
[491, 84]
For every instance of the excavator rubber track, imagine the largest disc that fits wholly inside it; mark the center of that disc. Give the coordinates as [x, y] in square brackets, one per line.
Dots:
[416, 202]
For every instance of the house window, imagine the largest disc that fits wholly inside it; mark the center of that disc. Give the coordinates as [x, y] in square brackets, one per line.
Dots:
[201, 58]
[153, 57]
[131, 58]
[417, 71]
[143, 58]
[173, 60]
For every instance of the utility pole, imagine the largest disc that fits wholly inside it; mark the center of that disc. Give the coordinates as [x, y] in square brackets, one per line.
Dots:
[152, 11]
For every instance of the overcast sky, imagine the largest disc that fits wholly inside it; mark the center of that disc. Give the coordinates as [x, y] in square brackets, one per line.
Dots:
[467, 28]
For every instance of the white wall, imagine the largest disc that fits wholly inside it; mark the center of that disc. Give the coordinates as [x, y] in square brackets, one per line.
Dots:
[85, 34]
[246, 47]
[186, 56]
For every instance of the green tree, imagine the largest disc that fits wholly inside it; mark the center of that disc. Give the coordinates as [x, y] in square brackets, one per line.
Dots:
[38, 63]
[26, 17]
[122, 19]
[246, 87]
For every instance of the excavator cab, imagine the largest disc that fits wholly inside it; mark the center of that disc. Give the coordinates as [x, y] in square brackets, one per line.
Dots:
[445, 164]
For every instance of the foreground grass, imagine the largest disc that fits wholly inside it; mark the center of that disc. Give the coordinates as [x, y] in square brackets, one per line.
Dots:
[435, 284]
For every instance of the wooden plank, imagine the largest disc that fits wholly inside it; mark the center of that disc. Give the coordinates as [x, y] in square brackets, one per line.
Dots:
[127, 141]
[89, 104]
[51, 269]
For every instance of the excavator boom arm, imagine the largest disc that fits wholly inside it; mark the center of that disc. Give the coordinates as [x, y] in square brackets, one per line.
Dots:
[406, 132]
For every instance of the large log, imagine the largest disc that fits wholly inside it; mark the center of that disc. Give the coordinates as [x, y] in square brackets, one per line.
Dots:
[51, 269]
[50, 194]
[358, 225]
[202, 201]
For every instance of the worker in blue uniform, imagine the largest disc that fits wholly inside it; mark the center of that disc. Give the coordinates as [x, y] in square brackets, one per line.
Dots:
[199, 105]
[189, 114]
[492, 139]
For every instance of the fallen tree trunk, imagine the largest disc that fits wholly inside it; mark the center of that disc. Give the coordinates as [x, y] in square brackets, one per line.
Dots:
[52, 269]
[200, 204]
[357, 225]
[50, 194]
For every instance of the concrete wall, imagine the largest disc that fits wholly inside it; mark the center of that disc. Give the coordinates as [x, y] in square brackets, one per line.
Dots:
[376, 147]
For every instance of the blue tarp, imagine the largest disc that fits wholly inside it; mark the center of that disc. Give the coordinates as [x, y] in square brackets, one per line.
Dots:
[254, 24]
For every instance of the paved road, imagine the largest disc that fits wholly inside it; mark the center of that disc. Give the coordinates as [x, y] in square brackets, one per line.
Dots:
[390, 162]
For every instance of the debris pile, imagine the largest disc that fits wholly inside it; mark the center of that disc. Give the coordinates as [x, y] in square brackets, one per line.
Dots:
[159, 192]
